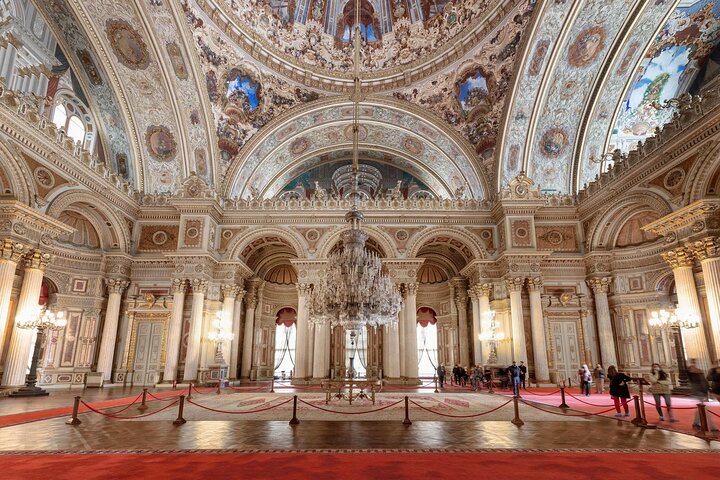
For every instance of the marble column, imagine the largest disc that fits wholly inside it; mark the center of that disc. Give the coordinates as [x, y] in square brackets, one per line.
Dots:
[302, 358]
[401, 331]
[321, 356]
[192, 357]
[249, 332]
[481, 304]
[461, 303]
[391, 363]
[235, 344]
[708, 252]
[514, 287]
[537, 324]
[411, 350]
[21, 339]
[11, 253]
[696, 346]
[600, 287]
[229, 293]
[106, 353]
[174, 333]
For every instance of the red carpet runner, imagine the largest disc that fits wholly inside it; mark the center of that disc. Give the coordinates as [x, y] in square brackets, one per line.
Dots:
[396, 466]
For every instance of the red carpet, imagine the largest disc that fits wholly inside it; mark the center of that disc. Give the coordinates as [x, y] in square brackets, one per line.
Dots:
[396, 466]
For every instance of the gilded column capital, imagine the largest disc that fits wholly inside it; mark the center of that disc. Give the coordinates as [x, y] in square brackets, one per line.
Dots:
[678, 257]
[411, 288]
[481, 289]
[37, 259]
[303, 288]
[230, 291]
[199, 286]
[599, 285]
[178, 286]
[115, 285]
[708, 247]
[514, 284]
[12, 251]
[535, 284]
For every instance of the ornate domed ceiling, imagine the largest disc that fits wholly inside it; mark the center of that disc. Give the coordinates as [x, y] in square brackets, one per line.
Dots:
[462, 95]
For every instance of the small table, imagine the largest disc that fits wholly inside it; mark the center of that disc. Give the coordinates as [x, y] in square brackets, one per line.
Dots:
[342, 389]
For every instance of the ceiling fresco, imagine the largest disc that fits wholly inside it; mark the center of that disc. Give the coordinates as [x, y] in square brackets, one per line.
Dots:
[384, 127]
[243, 95]
[471, 97]
[676, 56]
[316, 33]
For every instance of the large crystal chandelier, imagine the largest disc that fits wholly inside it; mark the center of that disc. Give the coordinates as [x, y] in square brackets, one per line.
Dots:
[355, 292]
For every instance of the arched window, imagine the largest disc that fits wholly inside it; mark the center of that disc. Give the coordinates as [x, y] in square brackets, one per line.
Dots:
[285, 335]
[73, 117]
[427, 342]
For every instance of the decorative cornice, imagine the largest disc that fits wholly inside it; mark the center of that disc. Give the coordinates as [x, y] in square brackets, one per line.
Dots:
[693, 216]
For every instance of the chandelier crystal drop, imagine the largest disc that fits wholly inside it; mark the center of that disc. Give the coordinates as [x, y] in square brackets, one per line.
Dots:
[355, 292]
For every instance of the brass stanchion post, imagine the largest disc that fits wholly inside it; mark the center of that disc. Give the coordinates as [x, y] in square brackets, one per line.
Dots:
[272, 384]
[704, 427]
[143, 406]
[74, 420]
[181, 406]
[189, 395]
[638, 421]
[436, 389]
[218, 387]
[562, 397]
[407, 412]
[517, 421]
[294, 420]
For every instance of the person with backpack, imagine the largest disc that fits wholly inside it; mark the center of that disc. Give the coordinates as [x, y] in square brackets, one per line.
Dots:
[599, 375]
[586, 381]
[661, 387]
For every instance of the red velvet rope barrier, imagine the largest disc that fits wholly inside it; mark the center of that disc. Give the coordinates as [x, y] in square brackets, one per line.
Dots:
[460, 416]
[210, 390]
[712, 413]
[588, 403]
[110, 415]
[350, 413]
[567, 414]
[542, 394]
[247, 389]
[672, 407]
[238, 413]
[127, 406]
[169, 399]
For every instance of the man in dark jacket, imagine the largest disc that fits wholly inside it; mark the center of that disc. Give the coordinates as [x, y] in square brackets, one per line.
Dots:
[441, 375]
[523, 374]
[514, 374]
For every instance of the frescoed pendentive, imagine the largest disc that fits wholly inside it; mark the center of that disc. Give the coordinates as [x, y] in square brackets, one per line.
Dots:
[585, 48]
[127, 44]
[160, 143]
[473, 93]
[553, 143]
[243, 94]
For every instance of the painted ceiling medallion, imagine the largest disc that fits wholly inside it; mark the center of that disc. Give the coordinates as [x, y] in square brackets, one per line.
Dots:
[586, 47]
[299, 145]
[161, 143]
[553, 142]
[127, 44]
[413, 145]
[177, 61]
[89, 66]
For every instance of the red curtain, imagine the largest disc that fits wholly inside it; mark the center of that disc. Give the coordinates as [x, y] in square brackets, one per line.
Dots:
[286, 316]
[426, 316]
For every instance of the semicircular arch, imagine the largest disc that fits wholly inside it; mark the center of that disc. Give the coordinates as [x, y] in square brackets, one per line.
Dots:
[475, 247]
[21, 183]
[383, 240]
[294, 241]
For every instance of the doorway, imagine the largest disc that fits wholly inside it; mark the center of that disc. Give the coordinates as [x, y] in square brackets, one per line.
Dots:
[148, 353]
[566, 350]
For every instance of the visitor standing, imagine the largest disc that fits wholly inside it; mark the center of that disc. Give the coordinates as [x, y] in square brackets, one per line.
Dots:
[599, 375]
[619, 390]
[441, 375]
[523, 374]
[514, 374]
[698, 388]
[661, 387]
[587, 380]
